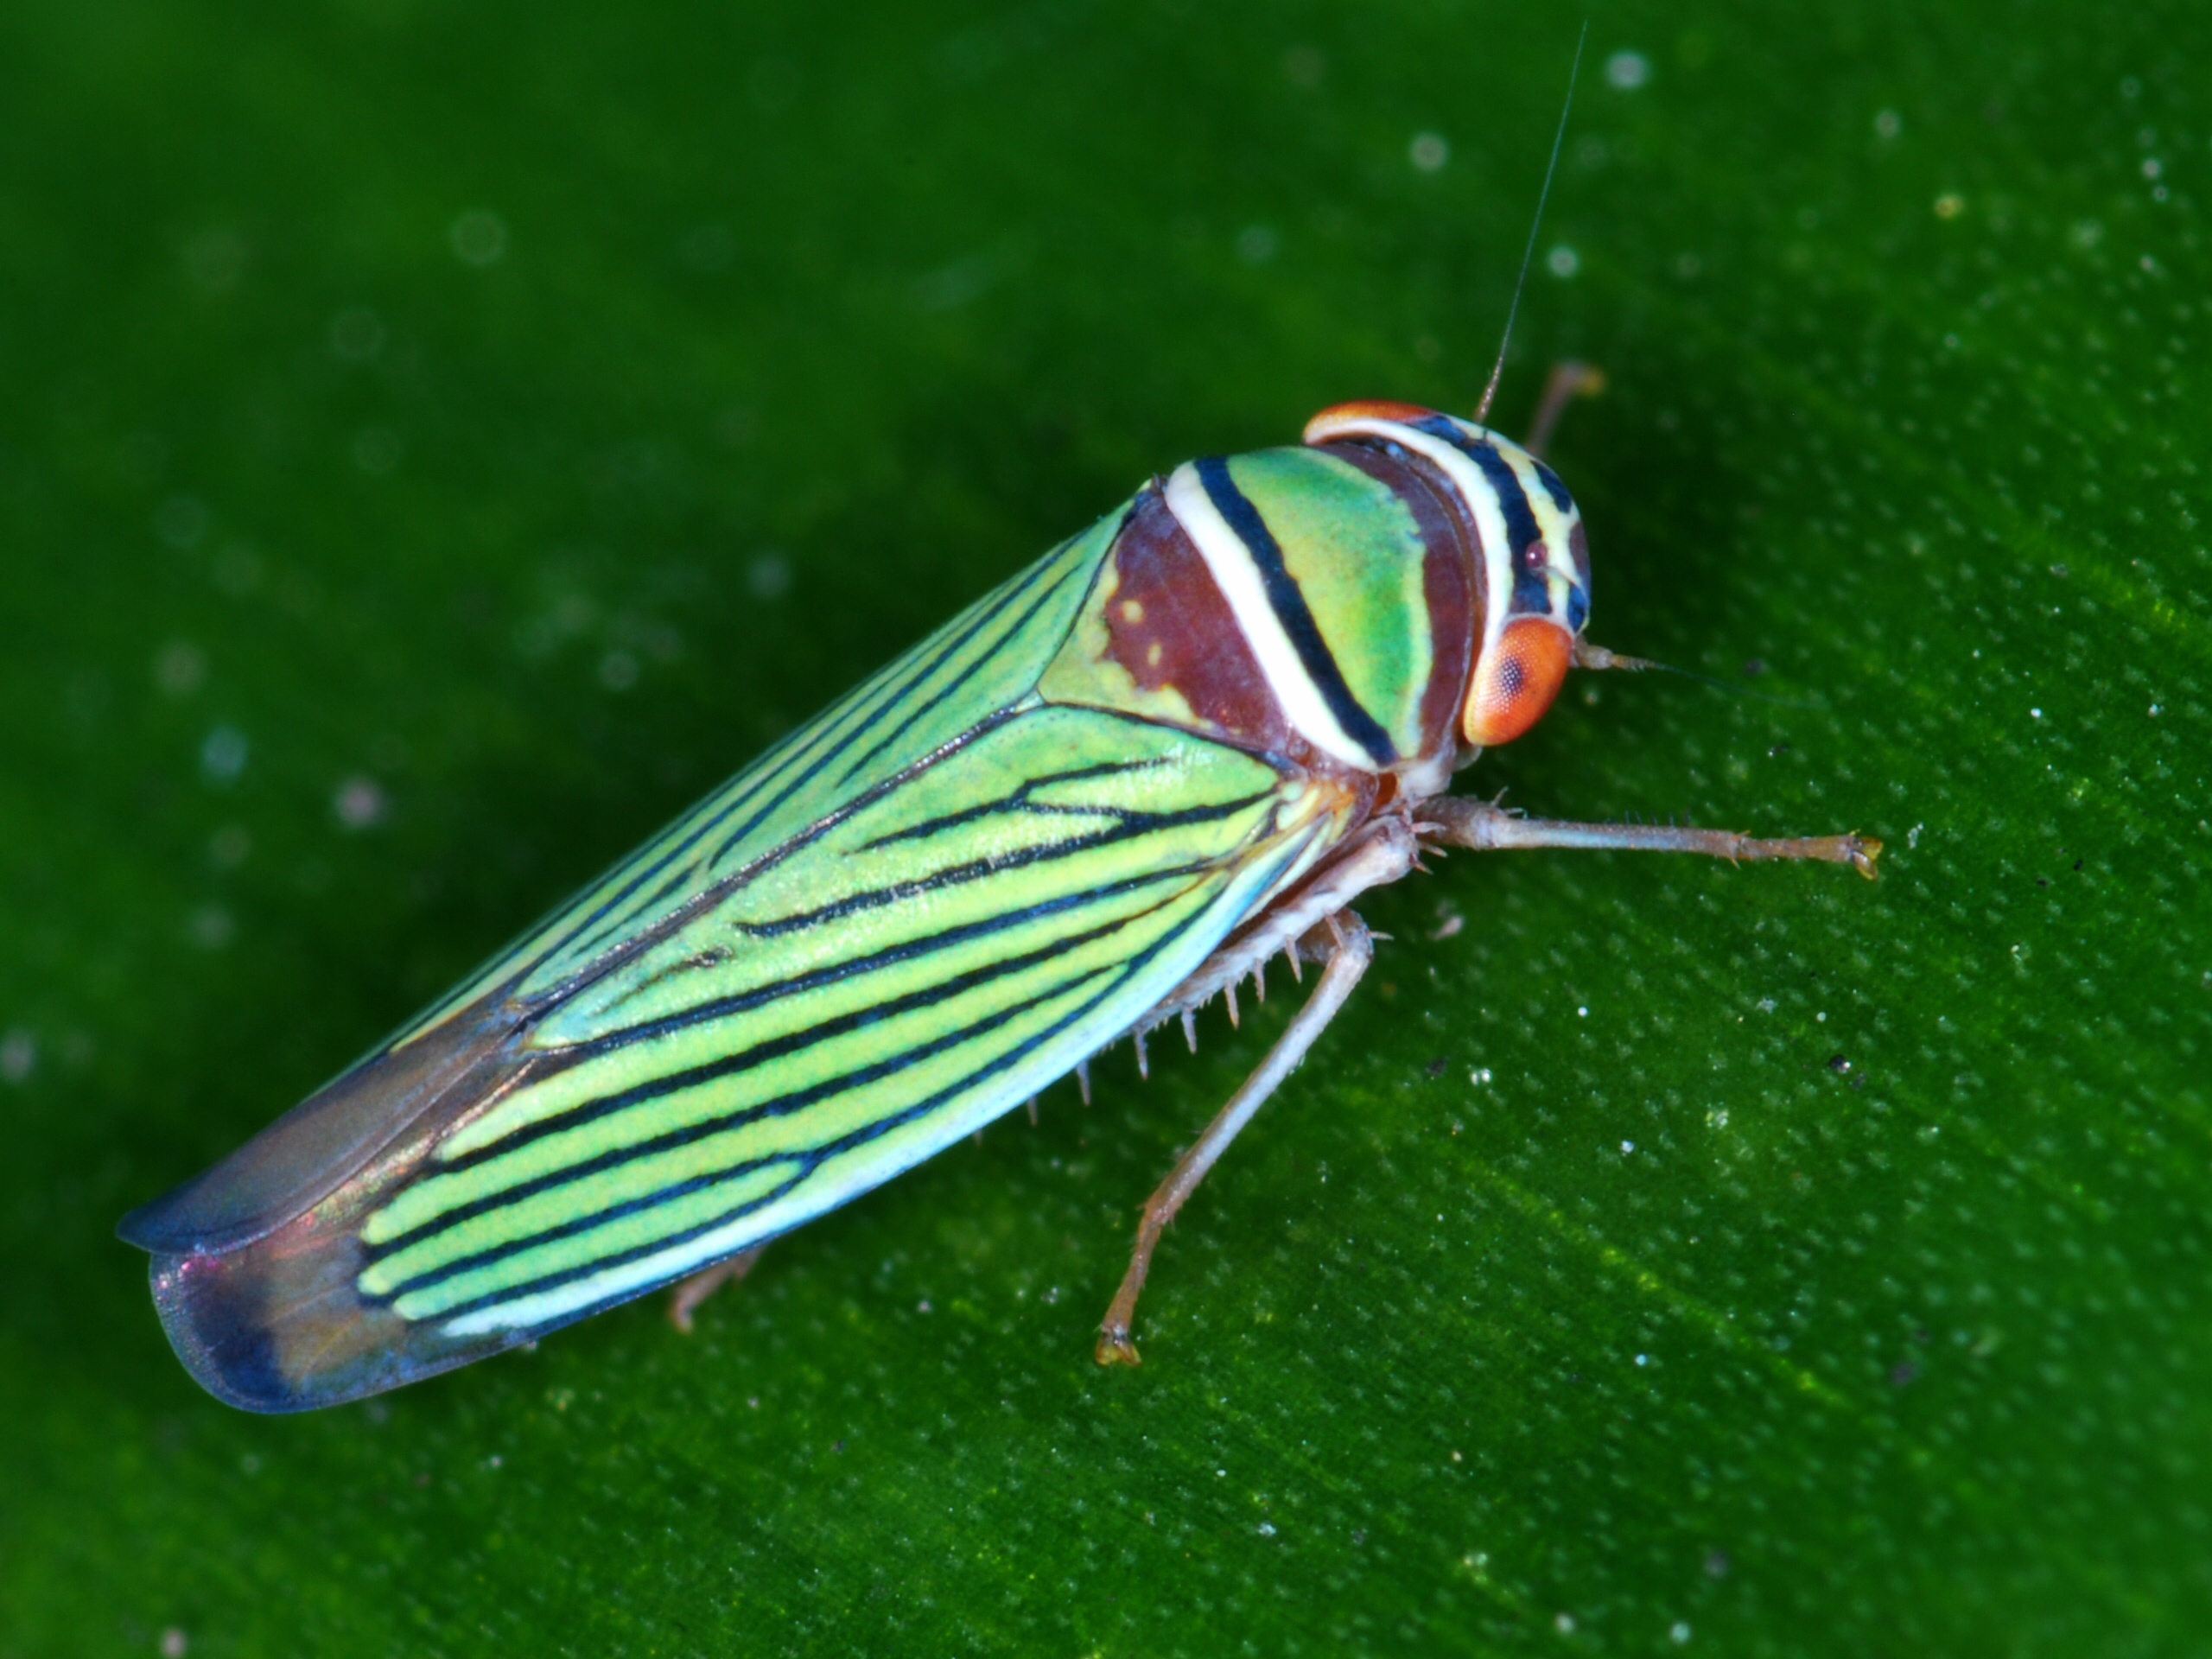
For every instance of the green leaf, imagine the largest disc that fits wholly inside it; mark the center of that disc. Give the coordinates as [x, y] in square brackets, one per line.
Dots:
[441, 443]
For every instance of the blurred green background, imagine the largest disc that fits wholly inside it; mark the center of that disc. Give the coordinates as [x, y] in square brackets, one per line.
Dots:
[438, 442]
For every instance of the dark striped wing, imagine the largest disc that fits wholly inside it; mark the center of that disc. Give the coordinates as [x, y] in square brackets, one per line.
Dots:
[980, 663]
[883, 936]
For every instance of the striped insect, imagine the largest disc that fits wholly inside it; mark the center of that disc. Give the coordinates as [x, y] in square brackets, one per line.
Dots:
[1183, 742]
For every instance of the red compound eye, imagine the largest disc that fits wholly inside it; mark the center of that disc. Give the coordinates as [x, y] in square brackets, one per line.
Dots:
[1516, 680]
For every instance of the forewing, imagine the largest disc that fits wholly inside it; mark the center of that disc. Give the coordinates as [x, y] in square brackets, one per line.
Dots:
[879, 984]
[449, 1059]
[984, 661]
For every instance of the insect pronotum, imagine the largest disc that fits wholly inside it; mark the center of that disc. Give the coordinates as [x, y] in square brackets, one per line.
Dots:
[1182, 742]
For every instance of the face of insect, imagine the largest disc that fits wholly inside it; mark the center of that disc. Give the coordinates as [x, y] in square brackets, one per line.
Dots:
[1533, 618]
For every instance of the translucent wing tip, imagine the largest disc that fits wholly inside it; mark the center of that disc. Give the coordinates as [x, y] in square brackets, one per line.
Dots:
[282, 1324]
[230, 1350]
[327, 1139]
[279, 1326]
[205, 1215]
[258, 1261]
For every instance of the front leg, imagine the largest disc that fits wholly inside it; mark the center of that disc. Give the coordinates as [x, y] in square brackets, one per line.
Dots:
[1477, 824]
[1342, 940]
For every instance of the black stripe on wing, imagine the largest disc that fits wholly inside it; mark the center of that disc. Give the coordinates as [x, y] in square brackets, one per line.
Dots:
[1129, 825]
[811, 1158]
[1021, 800]
[811, 752]
[798, 1100]
[911, 717]
[761, 1053]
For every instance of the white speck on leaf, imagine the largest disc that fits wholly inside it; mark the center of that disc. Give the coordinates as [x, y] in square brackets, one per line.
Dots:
[358, 802]
[179, 667]
[223, 755]
[480, 238]
[181, 521]
[769, 576]
[1256, 244]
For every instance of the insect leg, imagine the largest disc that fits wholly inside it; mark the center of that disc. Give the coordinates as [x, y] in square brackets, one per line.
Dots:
[690, 1293]
[1568, 381]
[1342, 941]
[1460, 822]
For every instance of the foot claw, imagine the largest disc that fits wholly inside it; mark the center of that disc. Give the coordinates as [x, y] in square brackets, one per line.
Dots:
[1862, 851]
[1115, 1348]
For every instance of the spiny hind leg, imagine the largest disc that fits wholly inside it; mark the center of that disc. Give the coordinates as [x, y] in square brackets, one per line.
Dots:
[1382, 851]
[684, 1297]
[1343, 941]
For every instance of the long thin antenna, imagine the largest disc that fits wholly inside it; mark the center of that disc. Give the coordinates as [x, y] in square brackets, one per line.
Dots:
[1481, 410]
[1589, 656]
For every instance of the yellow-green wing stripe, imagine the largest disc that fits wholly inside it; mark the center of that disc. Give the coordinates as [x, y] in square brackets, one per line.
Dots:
[983, 661]
[1033, 951]
[893, 707]
[949, 942]
[597, 1216]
